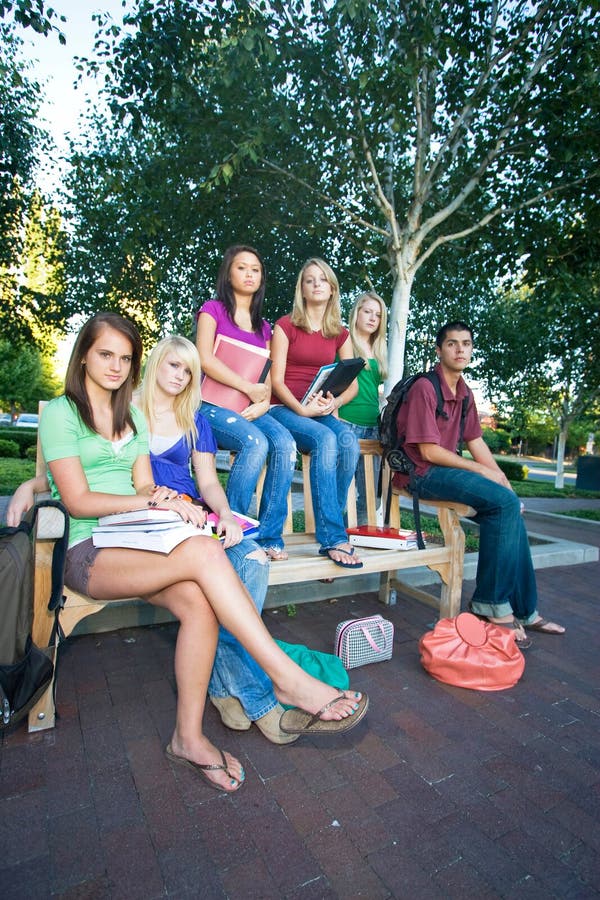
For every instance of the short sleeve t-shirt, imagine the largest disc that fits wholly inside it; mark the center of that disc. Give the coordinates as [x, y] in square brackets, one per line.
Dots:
[227, 328]
[418, 421]
[107, 465]
[172, 467]
[306, 354]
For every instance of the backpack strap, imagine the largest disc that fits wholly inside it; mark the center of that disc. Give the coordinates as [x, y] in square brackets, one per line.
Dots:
[56, 600]
[463, 415]
[434, 379]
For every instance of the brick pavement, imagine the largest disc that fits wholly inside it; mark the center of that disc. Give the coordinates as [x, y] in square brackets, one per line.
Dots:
[439, 793]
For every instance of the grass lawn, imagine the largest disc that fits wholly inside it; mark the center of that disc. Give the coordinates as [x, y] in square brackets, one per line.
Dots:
[545, 489]
[592, 514]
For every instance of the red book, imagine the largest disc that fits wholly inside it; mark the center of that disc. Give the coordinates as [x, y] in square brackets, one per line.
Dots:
[383, 538]
[251, 362]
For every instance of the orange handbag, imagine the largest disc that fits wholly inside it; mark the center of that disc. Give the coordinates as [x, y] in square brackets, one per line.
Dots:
[471, 653]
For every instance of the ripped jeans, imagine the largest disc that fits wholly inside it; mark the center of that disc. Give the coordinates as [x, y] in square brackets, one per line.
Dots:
[252, 443]
[235, 673]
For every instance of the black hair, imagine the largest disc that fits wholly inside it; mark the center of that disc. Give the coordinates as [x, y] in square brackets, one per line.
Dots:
[225, 292]
[451, 326]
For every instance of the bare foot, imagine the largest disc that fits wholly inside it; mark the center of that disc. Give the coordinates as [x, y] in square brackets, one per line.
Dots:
[276, 554]
[203, 752]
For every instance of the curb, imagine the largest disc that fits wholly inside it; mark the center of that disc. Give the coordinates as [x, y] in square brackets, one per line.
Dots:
[560, 517]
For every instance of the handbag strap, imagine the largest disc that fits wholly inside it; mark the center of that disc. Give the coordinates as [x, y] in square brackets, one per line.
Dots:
[370, 640]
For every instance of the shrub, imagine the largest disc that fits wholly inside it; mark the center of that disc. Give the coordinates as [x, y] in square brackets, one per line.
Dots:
[31, 453]
[21, 436]
[9, 448]
[514, 470]
[497, 439]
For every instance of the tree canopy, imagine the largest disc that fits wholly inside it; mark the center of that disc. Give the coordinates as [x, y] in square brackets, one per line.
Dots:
[20, 139]
[34, 14]
[375, 133]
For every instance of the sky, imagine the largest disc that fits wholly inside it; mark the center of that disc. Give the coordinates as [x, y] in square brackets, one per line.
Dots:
[54, 67]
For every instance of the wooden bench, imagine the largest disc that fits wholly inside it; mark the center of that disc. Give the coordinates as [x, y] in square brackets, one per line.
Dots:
[303, 566]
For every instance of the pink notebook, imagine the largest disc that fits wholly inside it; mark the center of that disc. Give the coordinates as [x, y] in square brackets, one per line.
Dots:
[250, 362]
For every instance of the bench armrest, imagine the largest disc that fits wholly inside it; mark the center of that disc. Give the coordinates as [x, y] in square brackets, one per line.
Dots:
[50, 520]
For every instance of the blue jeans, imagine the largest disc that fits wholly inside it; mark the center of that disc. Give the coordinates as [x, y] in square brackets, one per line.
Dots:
[252, 443]
[235, 673]
[366, 433]
[505, 581]
[334, 454]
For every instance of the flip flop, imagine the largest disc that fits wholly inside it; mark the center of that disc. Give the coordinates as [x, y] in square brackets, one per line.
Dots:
[203, 768]
[523, 643]
[326, 551]
[299, 721]
[545, 627]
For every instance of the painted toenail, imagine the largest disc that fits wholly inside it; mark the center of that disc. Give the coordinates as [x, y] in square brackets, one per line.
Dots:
[356, 694]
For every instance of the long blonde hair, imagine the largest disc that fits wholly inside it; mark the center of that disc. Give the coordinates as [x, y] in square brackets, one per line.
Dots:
[378, 342]
[187, 403]
[332, 319]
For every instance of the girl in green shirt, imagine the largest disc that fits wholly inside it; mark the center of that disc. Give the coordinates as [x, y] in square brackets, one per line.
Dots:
[368, 330]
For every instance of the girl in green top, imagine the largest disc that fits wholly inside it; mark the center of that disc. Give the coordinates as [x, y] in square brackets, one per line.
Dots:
[368, 329]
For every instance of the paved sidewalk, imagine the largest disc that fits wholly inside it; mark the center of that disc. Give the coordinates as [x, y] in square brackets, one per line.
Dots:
[439, 793]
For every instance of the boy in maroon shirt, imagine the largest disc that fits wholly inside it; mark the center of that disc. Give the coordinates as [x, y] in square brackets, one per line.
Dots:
[506, 591]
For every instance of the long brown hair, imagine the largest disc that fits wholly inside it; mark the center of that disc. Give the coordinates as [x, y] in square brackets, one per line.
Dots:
[75, 379]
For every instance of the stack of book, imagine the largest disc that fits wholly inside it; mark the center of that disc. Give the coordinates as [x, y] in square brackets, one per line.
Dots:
[382, 538]
[156, 529]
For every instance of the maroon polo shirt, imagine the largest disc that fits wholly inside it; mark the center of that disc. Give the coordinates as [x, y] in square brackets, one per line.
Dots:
[418, 421]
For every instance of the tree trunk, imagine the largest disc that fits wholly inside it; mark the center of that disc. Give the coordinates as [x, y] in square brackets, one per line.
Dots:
[559, 481]
[397, 329]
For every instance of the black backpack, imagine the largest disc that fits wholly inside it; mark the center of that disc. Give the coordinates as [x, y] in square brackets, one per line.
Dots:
[392, 442]
[25, 670]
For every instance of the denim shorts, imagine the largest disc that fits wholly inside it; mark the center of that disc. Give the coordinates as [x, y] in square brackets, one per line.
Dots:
[80, 559]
